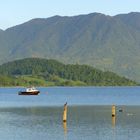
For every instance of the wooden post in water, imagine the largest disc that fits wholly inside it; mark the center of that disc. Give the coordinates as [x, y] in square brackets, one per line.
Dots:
[113, 110]
[65, 113]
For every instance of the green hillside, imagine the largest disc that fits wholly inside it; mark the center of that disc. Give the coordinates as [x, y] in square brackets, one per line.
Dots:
[42, 72]
[105, 42]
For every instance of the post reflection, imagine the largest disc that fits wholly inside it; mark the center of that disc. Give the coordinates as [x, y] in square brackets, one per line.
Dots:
[113, 121]
[65, 127]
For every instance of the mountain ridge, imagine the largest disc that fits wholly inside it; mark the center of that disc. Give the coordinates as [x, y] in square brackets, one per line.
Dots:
[103, 41]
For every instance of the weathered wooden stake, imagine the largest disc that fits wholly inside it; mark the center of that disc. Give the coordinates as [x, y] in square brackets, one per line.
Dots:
[113, 110]
[65, 113]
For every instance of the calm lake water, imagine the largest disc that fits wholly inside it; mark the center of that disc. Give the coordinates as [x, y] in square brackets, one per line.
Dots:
[89, 114]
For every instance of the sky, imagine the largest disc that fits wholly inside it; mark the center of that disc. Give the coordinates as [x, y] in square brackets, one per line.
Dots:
[14, 12]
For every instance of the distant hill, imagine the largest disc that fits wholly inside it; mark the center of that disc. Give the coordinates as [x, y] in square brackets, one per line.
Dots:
[105, 42]
[42, 72]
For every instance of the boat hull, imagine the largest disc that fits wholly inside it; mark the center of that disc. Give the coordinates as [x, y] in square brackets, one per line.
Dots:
[28, 93]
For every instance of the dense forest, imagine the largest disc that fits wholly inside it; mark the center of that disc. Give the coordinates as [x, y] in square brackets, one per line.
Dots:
[43, 72]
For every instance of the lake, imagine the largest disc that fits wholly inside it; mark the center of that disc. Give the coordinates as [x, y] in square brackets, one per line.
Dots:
[89, 114]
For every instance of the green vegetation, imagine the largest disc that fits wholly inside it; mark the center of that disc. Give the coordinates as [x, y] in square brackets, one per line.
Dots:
[42, 72]
[106, 42]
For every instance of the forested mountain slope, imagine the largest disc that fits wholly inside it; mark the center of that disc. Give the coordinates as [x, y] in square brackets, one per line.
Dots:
[106, 42]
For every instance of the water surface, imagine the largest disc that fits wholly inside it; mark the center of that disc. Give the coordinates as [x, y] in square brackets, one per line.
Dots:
[57, 96]
[89, 114]
[84, 123]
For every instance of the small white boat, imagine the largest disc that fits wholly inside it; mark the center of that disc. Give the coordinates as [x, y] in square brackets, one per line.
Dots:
[29, 91]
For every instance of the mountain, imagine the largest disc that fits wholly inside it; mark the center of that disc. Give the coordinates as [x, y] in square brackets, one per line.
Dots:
[42, 72]
[132, 19]
[105, 42]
